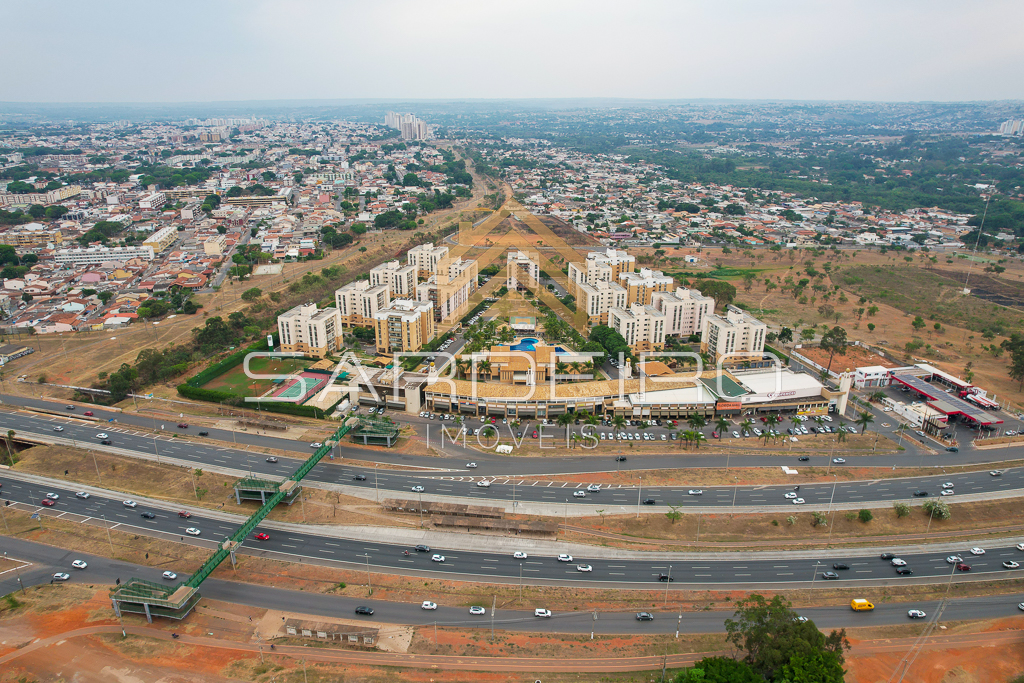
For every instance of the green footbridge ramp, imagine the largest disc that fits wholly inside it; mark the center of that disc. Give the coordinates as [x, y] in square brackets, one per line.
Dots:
[176, 601]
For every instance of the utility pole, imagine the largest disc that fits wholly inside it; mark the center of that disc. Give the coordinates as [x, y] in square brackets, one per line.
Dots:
[494, 602]
[593, 625]
[369, 588]
[107, 527]
[832, 512]
[639, 490]
[667, 583]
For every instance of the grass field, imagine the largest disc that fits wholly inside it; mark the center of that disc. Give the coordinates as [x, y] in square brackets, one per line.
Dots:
[236, 381]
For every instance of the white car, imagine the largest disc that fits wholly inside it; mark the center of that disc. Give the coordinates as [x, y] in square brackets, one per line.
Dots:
[192, 531]
[53, 496]
[79, 564]
[477, 610]
[471, 465]
[519, 555]
[953, 559]
[428, 605]
[946, 492]
[539, 612]
[897, 562]
[83, 495]
[315, 444]
[129, 503]
[735, 435]
[838, 461]
[565, 558]
[417, 489]
[61, 576]
[977, 551]
[437, 558]
[996, 473]
[170, 576]
[1010, 564]
[790, 495]
[948, 485]
[798, 501]
[695, 492]
[916, 614]
[579, 494]
[58, 429]
[102, 435]
[594, 488]
[1020, 546]
[484, 484]
[584, 568]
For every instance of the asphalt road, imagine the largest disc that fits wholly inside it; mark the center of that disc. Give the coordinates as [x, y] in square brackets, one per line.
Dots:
[47, 560]
[756, 569]
[462, 482]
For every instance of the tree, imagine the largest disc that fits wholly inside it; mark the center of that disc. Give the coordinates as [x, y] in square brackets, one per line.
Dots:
[674, 515]
[721, 425]
[871, 327]
[807, 333]
[1015, 347]
[865, 516]
[864, 419]
[834, 341]
[772, 636]
[937, 509]
[918, 323]
[719, 670]
[252, 294]
[901, 509]
[785, 335]
[564, 420]
[722, 292]
[105, 297]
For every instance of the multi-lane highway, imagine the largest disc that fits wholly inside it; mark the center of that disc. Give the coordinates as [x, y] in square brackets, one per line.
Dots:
[461, 482]
[46, 560]
[636, 569]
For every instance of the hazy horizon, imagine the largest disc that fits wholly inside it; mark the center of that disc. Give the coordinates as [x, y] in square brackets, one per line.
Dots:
[116, 52]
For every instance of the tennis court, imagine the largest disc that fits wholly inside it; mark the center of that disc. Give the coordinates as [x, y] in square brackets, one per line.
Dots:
[300, 388]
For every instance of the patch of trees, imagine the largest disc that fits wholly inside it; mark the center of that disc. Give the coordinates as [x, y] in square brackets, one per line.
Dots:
[166, 176]
[21, 187]
[256, 190]
[336, 240]
[394, 219]
[611, 341]
[101, 232]
[722, 292]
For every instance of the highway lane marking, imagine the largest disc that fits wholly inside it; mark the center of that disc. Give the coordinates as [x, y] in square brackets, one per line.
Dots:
[781, 574]
[741, 574]
[708, 575]
[321, 550]
[285, 545]
[334, 544]
[482, 567]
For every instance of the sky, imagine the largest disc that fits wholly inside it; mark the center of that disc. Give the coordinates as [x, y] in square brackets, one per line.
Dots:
[219, 50]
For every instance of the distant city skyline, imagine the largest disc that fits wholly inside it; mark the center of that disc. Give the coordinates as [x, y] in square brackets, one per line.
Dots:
[116, 51]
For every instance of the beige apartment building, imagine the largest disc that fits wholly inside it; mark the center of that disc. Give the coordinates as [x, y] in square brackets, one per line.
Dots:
[426, 257]
[309, 331]
[643, 327]
[358, 302]
[215, 246]
[738, 336]
[161, 239]
[599, 298]
[400, 280]
[685, 310]
[640, 287]
[600, 266]
[405, 325]
[449, 288]
[523, 270]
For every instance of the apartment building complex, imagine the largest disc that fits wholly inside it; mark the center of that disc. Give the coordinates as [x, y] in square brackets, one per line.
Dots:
[400, 280]
[600, 266]
[405, 325]
[359, 301]
[599, 298]
[161, 239]
[640, 287]
[643, 327]
[309, 331]
[685, 310]
[93, 255]
[449, 288]
[738, 337]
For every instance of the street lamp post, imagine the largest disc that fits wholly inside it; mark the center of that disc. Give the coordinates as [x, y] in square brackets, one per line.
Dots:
[832, 512]
[667, 583]
[639, 490]
[815, 574]
[520, 582]
[369, 587]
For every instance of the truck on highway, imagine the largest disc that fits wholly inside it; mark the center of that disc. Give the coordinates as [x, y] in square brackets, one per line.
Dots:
[861, 605]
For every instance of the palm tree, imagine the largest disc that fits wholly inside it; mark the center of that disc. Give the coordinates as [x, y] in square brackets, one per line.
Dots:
[484, 367]
[864, 419]
[697, 422]
[689, 436]
[577, 367]
[819, 420]
[876, 396]
[591, 419]
[721, 425]
[619, 422]
[841, 434]
[681, 436]
[746, 425]
[564, 420]
[561, 367]
[698, 436]
[770, 423]
[463, 366]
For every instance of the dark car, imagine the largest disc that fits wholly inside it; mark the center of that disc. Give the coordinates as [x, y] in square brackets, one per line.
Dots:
[359, 477]
[644, 616]
[829, 575]
[886, 556]
[422, 548]
[204, 433]
[620, 458]
[148, 515]
[920, 494]
[649, 501]
[665, 577]
[904, 571]
[963, 567]
[106, 442]
[368, 611]
[804, 458]
[840, 565]
[953, 449]
[182, 425]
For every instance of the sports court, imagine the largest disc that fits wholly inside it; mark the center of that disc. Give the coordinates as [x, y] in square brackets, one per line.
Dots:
[300, 388]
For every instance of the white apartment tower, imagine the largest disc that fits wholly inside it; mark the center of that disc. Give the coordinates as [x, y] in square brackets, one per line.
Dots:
[738, 336]
[600, 266]
[685, 310]
[359, 301]
[400, 280]
[643, 327]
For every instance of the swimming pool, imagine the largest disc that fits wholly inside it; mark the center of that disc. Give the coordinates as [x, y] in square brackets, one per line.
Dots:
[530, 344]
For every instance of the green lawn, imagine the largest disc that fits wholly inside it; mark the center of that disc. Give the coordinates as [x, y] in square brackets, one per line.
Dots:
[236, 381]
